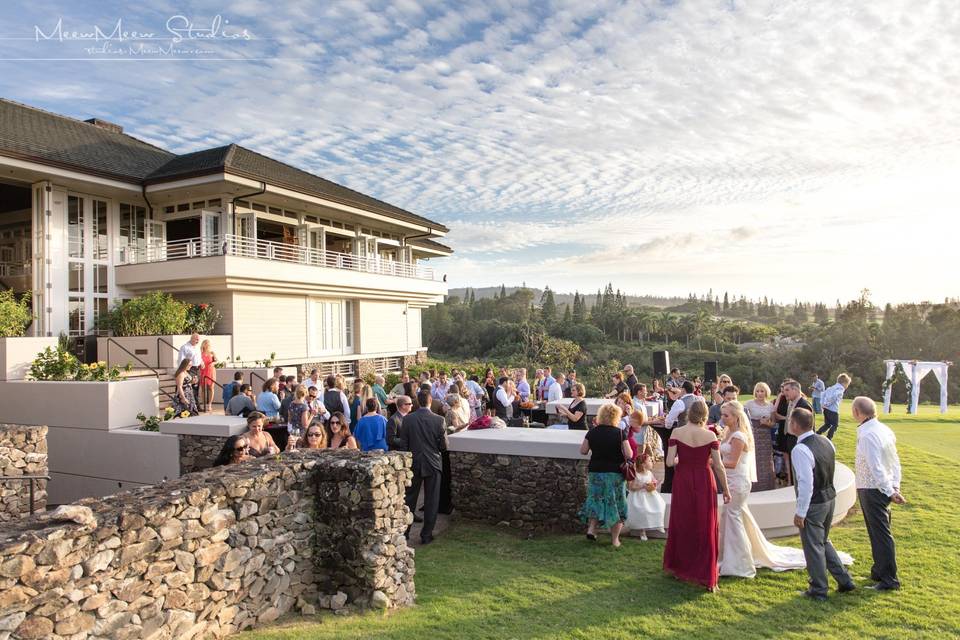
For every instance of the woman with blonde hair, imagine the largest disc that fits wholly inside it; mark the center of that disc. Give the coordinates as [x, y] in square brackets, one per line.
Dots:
[207, 375]
[723, 381]
[606, 502]
[743, 546]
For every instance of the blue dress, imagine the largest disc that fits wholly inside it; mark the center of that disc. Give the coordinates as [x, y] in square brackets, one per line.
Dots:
[371, 433]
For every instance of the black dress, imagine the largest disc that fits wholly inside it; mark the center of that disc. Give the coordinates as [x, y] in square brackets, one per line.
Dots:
[581, 424]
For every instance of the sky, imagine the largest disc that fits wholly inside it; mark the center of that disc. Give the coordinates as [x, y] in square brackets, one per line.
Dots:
[789, 149]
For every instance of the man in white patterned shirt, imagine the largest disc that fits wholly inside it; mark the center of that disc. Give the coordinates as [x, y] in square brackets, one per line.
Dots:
[878, 484]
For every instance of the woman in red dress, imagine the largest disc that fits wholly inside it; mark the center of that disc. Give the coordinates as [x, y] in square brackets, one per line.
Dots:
[692, 548]
[207, 375]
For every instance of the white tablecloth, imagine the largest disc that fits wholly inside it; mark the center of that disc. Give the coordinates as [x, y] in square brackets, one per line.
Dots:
[594, 404]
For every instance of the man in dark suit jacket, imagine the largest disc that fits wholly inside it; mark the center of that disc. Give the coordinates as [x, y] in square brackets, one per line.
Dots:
[422, 434]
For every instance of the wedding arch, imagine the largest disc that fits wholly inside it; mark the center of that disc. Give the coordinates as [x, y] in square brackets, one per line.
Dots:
[914, 372]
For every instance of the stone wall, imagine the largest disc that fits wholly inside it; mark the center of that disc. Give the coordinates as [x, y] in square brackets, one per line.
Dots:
[763, 455]
[213, 552]
[23, 452]
[522, 492]
[198, 452]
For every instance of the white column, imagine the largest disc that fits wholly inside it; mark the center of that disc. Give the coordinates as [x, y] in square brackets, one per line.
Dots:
[886, 395]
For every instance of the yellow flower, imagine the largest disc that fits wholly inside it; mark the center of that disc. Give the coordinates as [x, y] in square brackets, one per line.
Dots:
[184, 414]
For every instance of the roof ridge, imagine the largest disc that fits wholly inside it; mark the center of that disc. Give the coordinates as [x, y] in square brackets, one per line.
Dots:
[79, 121]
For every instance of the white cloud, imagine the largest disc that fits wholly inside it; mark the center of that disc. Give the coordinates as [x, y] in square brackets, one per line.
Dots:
[617, 125]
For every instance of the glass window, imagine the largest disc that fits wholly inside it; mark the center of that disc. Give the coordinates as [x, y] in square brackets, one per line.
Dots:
[75, 270]
[100, 278]
[100, 311]
[99, 230]
[77, 317]
[75, 226]
[348, 324]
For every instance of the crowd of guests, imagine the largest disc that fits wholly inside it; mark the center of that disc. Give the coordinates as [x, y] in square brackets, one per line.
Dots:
[710, 449]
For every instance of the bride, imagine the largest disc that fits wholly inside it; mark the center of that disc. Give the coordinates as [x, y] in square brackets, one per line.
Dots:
[743, 546]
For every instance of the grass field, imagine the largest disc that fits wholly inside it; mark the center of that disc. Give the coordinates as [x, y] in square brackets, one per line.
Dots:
[479, 582]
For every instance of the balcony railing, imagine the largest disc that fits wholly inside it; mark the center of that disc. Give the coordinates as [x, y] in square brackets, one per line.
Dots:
[234, 245]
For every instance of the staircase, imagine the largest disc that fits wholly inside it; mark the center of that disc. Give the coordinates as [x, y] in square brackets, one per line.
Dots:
[165, 379]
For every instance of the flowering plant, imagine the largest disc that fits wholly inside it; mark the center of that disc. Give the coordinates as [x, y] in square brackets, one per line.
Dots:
[61, 365]
[202, 318]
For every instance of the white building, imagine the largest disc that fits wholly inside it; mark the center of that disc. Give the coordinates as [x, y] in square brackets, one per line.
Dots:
[298, 265]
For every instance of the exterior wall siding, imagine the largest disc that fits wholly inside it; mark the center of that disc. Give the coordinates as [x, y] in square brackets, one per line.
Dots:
[383, 326]
[264, 323]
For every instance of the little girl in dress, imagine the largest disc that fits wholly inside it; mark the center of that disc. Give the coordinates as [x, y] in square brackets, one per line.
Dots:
[645, 505]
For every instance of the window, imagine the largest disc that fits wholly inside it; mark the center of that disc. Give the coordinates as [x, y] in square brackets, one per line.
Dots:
[259, 207]
[76, 277]
[277, 211]
[100, 311]
[214, 202]
[198, 205]
[133, 226]
[78, 322]
[184, 206]
[75, 226]
[100, 278]
[167, 209]
[348, 324]
[100, 229]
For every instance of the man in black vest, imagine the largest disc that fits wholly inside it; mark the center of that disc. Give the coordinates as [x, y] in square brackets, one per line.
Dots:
[664, 426]
[813, 461]
[422, 434]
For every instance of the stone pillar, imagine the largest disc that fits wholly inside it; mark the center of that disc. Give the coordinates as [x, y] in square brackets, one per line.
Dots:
[763, 450]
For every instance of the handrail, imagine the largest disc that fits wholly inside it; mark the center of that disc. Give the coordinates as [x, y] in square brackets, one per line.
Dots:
[166, 342]
[111, 341]
[243, 246]
[32, 479]
[254, 373]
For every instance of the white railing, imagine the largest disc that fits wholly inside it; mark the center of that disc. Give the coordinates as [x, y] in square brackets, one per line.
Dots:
[265, 250]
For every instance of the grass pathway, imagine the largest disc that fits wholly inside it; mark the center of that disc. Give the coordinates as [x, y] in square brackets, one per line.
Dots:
[480, 582]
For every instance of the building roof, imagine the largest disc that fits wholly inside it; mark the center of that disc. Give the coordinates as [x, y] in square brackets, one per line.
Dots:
[426, 243]
[102, 149]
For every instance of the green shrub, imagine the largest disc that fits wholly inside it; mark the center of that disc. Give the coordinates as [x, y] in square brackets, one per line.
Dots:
[201, 318]
[60, 365]
[153, 314]
[15, 315]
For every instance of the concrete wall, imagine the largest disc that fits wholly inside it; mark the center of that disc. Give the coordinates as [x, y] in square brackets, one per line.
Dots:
[215, 552]
[382, 326]
[265, 323]
[154, 353]
[92, 462]
[17, 354]
[84, 405]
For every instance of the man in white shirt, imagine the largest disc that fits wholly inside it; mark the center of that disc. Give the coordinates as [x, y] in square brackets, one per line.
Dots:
[314, 382]
[555, 391]
[441, 387]
[814, 462]
[878, 484]
[190, 351]
[664, 427]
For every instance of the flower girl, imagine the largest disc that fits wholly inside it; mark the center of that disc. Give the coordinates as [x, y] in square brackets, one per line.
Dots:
[645, 505]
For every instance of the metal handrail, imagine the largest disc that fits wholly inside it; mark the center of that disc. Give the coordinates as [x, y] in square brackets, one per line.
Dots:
[166, 342]
[254, 373]
[31, 479]
[111, 341]
[231, 244]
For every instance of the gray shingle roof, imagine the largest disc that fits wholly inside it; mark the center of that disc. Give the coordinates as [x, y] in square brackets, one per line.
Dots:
[48, 138]
[34, 134]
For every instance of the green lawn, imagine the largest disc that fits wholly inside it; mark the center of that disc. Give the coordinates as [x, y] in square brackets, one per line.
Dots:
[479, 582]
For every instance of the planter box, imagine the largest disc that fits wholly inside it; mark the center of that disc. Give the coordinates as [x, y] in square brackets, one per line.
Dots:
[80, 405]
[254, 376]
[152, 351]
[17, 354]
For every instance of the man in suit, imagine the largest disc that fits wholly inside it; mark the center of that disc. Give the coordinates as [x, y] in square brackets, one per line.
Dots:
[422, 434]
[813, 461]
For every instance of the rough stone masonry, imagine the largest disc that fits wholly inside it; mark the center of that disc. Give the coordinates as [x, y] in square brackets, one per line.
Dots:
[23, 452]
[213, 552]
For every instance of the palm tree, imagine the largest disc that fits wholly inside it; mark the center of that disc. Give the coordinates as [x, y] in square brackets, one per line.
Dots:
[700, 320]
[666, 323]
[644, 321]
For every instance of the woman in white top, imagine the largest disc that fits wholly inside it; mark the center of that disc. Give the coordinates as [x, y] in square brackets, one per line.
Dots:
[743, 546]
[760, 408]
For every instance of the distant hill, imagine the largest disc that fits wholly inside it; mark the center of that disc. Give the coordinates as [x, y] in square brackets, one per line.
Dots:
[567, 298]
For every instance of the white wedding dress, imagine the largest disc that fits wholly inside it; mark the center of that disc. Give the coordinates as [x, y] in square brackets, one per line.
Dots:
[743, 546]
